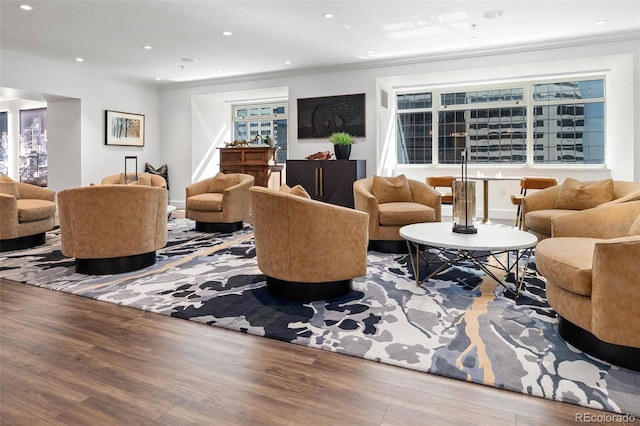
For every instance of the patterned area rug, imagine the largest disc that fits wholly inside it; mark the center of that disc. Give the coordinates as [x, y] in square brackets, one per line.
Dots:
[462, 325]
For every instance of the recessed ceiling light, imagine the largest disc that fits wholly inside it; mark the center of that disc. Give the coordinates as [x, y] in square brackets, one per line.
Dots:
[371, 51]
[147, 47]
[328, 15]
[602, 22]
[227, 33]
[190, 60]
[25, 7]
[287, 62]
[493, 14]
[79, 60]
[472, 38]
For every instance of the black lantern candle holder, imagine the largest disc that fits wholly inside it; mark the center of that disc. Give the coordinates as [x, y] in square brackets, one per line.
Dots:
[464, 201]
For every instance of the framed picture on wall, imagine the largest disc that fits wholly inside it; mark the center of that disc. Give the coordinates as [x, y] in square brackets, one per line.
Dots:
[124, 129]
[320, 117]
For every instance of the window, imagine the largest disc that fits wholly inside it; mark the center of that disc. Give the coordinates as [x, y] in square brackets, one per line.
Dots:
[558, 122]
[269, 119]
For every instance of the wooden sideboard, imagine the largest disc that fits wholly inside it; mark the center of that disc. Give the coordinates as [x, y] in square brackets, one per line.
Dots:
[252, 161]
[330, 181]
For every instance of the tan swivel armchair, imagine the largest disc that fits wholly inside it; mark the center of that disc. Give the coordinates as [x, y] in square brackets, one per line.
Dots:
[308, 249]
[592, 268]
[386, 218]
[220, 203]
[27, 212]
[540, 207]
[111, 229]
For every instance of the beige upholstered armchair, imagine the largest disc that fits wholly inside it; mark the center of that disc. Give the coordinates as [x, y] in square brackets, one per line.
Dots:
[220, 203]
[148, 179]
[392, 203]
[592, 268]
[27, 212]
[572, 196]
[111, 229]
[309, 250]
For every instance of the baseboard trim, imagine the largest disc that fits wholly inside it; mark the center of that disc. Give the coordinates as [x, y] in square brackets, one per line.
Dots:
[622, 356]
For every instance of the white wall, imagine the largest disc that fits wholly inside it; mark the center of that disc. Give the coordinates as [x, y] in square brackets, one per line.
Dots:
[81, 99]
[623, 159]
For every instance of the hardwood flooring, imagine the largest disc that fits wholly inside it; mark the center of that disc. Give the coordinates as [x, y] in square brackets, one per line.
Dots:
[69, 360]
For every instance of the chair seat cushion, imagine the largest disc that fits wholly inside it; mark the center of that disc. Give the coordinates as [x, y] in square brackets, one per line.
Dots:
[540, 220]
[31, 210]
[404, 213]
[566, 262]
[208, 202]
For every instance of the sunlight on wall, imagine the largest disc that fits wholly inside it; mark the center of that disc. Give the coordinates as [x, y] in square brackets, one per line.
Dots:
[207, 166]
[388, 152]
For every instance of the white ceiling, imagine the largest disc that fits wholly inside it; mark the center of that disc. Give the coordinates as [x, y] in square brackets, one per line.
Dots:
[110, 35]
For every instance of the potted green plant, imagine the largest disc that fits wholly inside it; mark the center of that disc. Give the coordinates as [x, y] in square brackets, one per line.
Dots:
[342, 142]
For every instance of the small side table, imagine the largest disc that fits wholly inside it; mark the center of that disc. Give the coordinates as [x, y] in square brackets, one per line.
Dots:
[170, 209]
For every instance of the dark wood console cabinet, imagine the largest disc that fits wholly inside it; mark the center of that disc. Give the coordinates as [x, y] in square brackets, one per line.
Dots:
[330, 181]
[252, 161]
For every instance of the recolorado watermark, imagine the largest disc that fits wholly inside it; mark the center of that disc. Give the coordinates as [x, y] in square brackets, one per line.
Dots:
[604, 418]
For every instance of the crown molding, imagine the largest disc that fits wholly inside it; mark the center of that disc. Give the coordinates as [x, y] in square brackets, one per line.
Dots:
[418, 59]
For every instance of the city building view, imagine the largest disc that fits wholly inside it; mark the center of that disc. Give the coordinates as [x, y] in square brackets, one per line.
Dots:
[33, 147]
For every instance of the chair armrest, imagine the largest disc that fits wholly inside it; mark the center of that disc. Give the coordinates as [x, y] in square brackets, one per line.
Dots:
[615, 295]
[364, 201]
[612, 221]
[426, 195]
[544, 199]
[34, 192]
[157, 180]
[236, 199]
[8, 217]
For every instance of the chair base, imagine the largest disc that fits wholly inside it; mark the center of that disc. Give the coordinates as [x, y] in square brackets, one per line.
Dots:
[218, 227]
[115, 265]
[622, 356]
[389, 246]
[308, 292]
[22, 243]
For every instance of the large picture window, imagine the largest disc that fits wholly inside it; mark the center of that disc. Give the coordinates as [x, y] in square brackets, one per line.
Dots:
[557, 122]
[263, 120]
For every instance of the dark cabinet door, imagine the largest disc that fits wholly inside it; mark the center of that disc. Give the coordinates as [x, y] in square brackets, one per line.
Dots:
[304, 173]
[329, 181]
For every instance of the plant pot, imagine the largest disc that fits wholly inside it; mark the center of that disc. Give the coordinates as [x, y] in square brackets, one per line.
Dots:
[342, 151]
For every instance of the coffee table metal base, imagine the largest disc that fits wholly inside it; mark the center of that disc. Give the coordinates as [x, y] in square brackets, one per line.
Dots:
[417, 251]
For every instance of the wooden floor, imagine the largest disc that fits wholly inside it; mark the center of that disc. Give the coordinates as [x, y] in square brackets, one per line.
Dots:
[70, 360]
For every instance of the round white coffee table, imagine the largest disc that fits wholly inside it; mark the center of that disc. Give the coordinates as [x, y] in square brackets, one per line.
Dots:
[490, 241]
